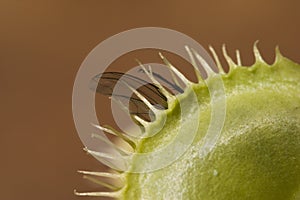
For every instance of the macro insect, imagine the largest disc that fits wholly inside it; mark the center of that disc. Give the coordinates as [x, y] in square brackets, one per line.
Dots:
[256, 156]
[105, 83]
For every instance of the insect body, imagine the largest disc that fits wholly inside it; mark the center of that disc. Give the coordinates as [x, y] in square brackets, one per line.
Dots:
[105, 83]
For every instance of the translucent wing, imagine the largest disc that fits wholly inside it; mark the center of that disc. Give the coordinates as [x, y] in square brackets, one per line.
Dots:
[166, 81]
[105, 83]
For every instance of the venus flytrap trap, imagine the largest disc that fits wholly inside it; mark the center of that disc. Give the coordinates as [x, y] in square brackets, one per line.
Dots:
[244, 146]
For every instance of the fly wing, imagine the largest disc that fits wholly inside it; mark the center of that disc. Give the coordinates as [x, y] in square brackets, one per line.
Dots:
[105, 83]
[169, 83]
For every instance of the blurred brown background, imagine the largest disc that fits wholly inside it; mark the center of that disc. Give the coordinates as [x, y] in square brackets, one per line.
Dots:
[43, 43]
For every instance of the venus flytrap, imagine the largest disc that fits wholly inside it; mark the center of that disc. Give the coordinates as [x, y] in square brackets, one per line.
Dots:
[256, 154]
